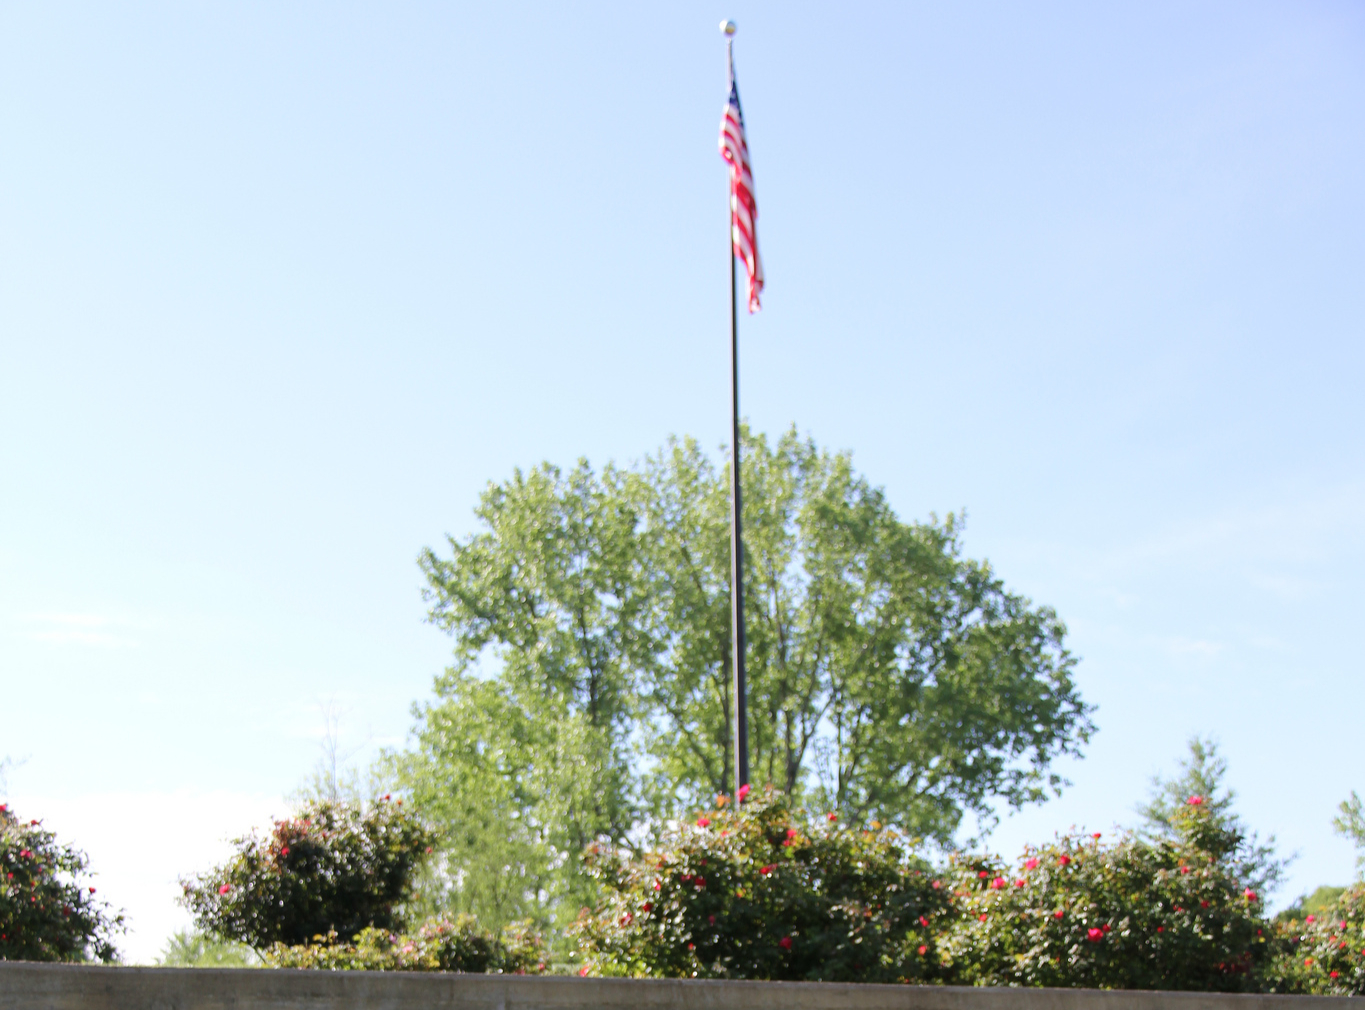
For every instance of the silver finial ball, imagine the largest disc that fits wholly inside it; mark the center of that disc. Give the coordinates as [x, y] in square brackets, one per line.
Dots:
[728, 27]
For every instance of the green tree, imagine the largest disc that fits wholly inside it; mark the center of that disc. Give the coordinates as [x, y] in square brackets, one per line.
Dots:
[1166, 814]
[1350, 821]
[890, 677]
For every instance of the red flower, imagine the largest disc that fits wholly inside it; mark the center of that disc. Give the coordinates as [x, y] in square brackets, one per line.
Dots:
[1161, 929]
[1058, 914]
[92, 890]
[1094, 935]
[1249, 894]
[1020, 882]
[1310, 918]
[767, 869]
[1195, 801]
[1203, 904]
[982, 916]
[387, 795]
[691, 946]
[923, 950]
[1063, 860]
[701, 883]
[711, 919]
[284, 850]
[224, 889]
[787, 844]
[646, 908]
[983, 874]
[785, 943]
[937, 885]
[832, 816]
[1307, 961]
[658, 886]
[1184, 869]
[1332, 974]
[997, 883]
[923, 921]
[583, 972]
[703, 822]
[1032, 864]
[1104, 928]
[743, 792]
[1097, 834]
[791, 832]
[686, 878]
[626, 919]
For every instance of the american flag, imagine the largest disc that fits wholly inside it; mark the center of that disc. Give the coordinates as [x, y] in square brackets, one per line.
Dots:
[743, 210]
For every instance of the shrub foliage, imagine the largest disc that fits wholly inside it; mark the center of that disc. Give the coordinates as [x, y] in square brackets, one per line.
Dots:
[765, 893]
[334, 867]
[46, 912]
[1132, 915]
[437, 945]
[1323, 954]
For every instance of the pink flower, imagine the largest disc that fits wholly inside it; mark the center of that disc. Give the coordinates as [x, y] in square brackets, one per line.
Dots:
[831, 816]
[1063, 860]
[791, 832]
[224, 889]
[1032, 864]
[923, 921]
[785, 943]
[1195, 801]
[1184, 870]
[583, 972]
[284, 850]
[1311, 918]
[703, 822]
[658, 886]
[1249, 894]
[937, 885]
[743, 792]
[923, 950]
[997, 883]
[983, 874]
[1094, 935]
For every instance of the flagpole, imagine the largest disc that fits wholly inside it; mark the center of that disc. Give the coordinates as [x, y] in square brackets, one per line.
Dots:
[736, 509]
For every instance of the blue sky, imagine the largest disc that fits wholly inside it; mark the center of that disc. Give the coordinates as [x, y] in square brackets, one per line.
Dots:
[283, 285]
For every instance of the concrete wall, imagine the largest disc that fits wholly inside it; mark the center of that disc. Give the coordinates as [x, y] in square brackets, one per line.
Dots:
[72, 987]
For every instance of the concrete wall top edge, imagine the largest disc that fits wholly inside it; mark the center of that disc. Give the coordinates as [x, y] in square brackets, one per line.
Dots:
[26, 986]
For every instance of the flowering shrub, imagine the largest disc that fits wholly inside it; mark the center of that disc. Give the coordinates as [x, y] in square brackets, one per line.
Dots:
[46, 913]
[764, 893]
[334, 867]
[1325, 953]
[1137, 914]
[437, 945]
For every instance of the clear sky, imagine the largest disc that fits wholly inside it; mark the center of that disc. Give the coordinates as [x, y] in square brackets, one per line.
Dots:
[282, 285]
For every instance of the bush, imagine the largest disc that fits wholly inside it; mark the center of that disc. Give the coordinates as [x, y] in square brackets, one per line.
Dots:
[1137, 914]
[1323, 953]
[192, 949]
[438, 945]
[46, 913]
[333, 868]
[764, 894]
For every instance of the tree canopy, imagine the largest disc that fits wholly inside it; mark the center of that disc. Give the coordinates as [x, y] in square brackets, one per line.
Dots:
[890, 677]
